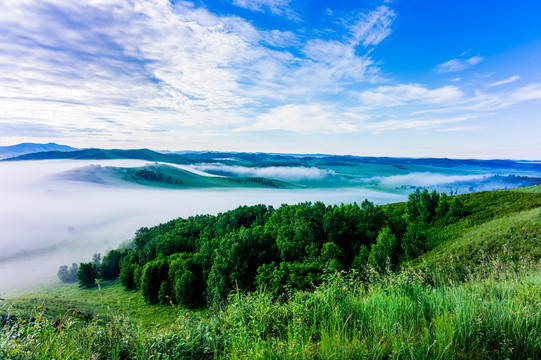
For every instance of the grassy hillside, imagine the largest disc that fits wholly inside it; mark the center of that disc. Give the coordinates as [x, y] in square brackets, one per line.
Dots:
[503, 223]
[105, 301]
[474, 295]
[166, 176]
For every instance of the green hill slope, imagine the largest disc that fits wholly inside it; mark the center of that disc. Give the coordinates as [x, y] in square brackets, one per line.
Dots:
[103, 154]
[166, 176]
[501, 223]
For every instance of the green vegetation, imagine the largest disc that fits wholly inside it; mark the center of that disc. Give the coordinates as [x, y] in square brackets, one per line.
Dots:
[493, 314]
[436, 277]
[200, 260]
[166, 176]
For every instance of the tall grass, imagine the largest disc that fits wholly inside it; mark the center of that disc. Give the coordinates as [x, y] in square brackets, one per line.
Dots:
[494, 312]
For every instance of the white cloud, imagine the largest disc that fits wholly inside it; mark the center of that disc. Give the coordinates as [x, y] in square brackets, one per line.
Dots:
[278, 7]
[149, 66]
[373, 27]
[409, 93]
[135, 62]
[413, 124]
[329, 65]
[525, 93]
[458, 64]
[506, 81]
[331, 61]
[305, 118]
[286, 173]
[500, 100]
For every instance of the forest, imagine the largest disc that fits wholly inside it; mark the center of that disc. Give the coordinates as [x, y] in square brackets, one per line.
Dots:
[200, 260]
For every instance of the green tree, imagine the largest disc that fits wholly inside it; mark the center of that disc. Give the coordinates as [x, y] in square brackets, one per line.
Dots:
[109, 268]
[237, 259]
[187, 276]
[130, 272]
[414, 241]
[332, 256]
[68, 275]
[412, 206]
[361, 259]
[96, 260]
[385, 251]
[153, 275]
[443, 206]
[457, 210]
[87, 274]
[279, 279]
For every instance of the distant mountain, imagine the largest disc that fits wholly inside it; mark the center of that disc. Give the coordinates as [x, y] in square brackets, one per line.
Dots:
[101, 154]
[379, 165]
[28, 148]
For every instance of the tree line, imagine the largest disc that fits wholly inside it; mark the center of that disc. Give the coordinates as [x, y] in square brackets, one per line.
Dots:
[201, 259]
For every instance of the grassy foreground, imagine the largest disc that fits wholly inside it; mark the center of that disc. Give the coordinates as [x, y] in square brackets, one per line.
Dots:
[494, 314]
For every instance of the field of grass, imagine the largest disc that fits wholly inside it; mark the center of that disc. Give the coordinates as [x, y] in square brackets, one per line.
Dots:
[475, 295]
[107, 300]
[493, 314]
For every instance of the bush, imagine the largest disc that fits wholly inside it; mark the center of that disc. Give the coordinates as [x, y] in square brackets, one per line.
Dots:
[109, 268]
[87, 274]
[68, 275]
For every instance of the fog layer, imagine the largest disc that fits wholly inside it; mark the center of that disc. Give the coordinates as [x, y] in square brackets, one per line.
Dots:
[46, 222]
[286, 173]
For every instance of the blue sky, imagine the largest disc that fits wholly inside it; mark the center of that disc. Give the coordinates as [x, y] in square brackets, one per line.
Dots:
[413, 78]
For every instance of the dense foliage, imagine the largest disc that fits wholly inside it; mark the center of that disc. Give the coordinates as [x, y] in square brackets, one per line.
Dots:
[494, 314]
[87, 274]
[202, 259]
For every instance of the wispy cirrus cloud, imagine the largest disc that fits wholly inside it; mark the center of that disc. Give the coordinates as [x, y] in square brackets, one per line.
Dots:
[277, 7]
[458, 64]
[505, 81]
[414, 124]
[306, 118]
[373, 27]
[384, 96]
[172, 66]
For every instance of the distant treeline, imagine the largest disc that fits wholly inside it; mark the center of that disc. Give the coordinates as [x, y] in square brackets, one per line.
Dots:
[202, 259]
[150, 175]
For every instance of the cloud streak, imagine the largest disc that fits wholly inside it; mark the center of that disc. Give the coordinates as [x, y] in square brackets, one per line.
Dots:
[506, 81]
[409, 93]
[454, 65]
[277, 7]
[286, 173]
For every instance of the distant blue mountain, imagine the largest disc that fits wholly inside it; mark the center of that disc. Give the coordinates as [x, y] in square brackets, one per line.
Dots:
[397, 165]
[29, 148]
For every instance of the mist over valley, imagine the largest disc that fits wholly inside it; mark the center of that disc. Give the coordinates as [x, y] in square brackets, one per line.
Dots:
[62, 211]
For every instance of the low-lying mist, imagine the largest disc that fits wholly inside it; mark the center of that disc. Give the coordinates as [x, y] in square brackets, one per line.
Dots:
[46, 222]
[285, 173]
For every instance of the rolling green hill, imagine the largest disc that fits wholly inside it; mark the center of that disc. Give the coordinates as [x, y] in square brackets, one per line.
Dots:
[166, 176]
[102, 154]
[474, 294]
[395, 175]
